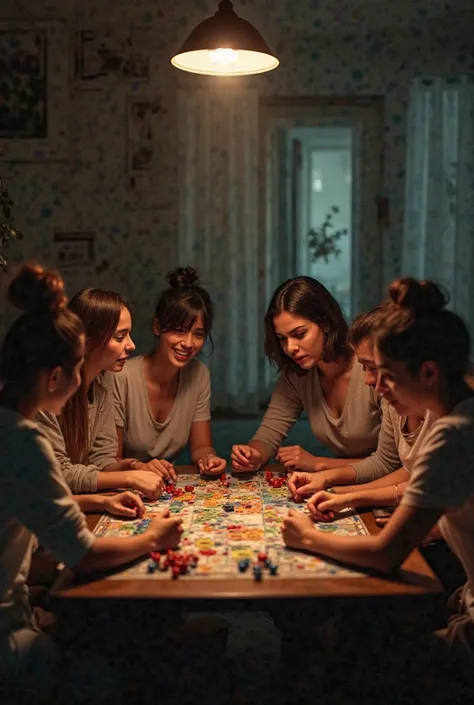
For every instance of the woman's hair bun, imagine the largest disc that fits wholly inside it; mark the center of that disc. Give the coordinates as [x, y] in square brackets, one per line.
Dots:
[420, 296]
[36, 288]
[183, 278]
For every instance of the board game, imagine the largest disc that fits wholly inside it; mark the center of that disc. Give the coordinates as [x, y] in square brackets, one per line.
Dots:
[229, 522]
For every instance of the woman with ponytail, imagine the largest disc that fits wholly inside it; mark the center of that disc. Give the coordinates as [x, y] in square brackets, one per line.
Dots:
[40, 368]
[162, 400]
[422, 355]
[83, 436]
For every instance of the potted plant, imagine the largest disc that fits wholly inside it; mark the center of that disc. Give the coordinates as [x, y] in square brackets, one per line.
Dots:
[322, 242]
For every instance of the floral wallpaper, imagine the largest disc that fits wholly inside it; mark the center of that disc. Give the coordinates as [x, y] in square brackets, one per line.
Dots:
[106, 171]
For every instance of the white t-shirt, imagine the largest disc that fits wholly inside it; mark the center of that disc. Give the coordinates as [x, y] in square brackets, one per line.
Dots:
[145, 438]
[443, 477]
[34, 501]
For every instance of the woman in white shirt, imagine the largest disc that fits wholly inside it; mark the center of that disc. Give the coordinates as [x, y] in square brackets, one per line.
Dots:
[40, 366]
[422, 354]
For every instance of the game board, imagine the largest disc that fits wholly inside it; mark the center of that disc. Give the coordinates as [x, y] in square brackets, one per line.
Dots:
[252, 526]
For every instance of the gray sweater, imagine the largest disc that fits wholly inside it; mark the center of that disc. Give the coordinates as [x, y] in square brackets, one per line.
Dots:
[394, 449]
[103, 443]
[353, 435]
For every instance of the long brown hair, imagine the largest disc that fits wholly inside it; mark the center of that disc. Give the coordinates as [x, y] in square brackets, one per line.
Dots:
[308, 298]
[99, 310]
[46, 336]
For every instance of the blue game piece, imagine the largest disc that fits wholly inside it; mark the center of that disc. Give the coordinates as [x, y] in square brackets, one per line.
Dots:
[273, 569]
[257, 572]
[151, 567]
[228, 507]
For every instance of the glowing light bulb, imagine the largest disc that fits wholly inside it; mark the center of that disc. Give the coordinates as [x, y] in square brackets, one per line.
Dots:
[223, 57]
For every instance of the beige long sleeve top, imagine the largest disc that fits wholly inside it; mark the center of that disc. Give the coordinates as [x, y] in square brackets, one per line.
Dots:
[353, 435]
[395, 449]
[103, 444]
[34, 501]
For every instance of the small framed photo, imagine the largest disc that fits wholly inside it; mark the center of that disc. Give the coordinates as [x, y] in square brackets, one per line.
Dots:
[74, 249]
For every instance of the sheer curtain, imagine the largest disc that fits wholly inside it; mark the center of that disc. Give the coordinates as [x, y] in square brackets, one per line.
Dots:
[219, 233]
[439, 208]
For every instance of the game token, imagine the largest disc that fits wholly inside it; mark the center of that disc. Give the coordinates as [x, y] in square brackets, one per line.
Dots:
[189, 488]
[228, 507]
[151, 567]
[272, 568]
[257, 572]
[262, 557]
[175, 571]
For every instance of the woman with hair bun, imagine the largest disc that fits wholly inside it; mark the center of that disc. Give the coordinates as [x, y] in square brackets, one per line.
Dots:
[422, 356]
[162, 400]
[40, 368]
[306, 339]
[84, 436]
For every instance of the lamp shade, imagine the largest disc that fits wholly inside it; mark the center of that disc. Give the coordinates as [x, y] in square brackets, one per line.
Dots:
[225, 45]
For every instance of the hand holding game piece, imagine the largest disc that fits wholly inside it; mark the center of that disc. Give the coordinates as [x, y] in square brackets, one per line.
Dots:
[165, 531]
[245, 458]
[125, 504]
[162, 468]
[296, 458]
[323, 505]
[301, 484]
[211, 464]
[298, 531]
[147, 482]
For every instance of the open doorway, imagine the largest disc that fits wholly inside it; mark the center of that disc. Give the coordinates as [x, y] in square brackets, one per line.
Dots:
[321, 185]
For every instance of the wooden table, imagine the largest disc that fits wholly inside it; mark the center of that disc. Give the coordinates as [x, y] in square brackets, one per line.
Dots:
[414, 580]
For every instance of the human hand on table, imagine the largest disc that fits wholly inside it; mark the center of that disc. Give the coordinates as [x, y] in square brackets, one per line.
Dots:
[245, 458]
[147, 482]
[301, 484]
[211, 464]
[298, 531]
[162, 468]
[125, 504]
[165, 530]
[297, 458]
[324, 505]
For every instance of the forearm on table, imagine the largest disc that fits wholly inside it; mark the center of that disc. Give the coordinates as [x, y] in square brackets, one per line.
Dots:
[90, 502]
[364, 551]
[114, 480]
[399, 476]
[381, 497]
[331, 463]
[108, 552]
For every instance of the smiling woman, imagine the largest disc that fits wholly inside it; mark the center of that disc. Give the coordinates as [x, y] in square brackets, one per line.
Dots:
[162, 400]
[84, 436]
[305, 338]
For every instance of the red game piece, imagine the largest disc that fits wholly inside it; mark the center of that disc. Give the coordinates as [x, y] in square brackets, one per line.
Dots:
[268, 475]
[223, 477]
[155, 556]
[207, 552]
[175, 571]
[262, 557]
[189, 488]
[194, 558]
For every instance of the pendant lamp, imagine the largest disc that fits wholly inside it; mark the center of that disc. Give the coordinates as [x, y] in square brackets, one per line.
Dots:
[225, 45]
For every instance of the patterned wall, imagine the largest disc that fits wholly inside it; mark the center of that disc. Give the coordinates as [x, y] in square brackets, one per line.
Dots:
[107, 167]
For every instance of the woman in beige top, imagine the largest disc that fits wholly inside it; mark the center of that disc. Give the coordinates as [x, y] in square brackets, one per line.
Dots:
[162, 400]
[306, 340]
[84, 437]
[40, 368]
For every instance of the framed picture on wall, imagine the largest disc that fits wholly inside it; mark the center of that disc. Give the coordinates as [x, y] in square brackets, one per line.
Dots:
[110, 56]
[75, 249]
[144, 123]
[33, 91]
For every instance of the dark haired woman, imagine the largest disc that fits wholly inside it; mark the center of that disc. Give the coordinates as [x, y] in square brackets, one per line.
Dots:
[40, 362]
[305, 337]
[422, 353]
[84, 437]
[162, 400]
